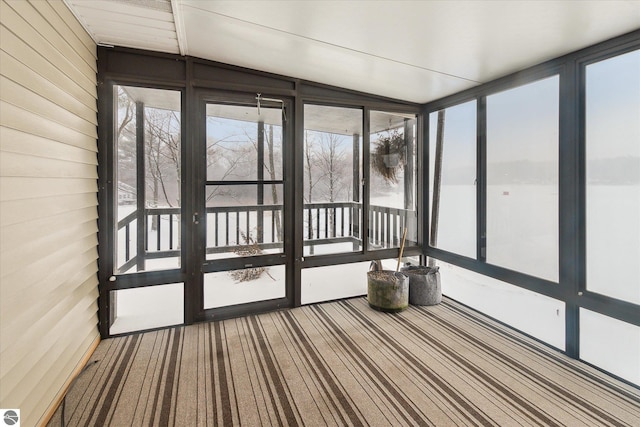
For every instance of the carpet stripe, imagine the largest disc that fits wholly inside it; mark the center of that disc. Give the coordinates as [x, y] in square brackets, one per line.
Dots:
[512, 399]
[105, 354]
[549, 387]
[575, 401]
[161, 380]
[341, 363]
[170, 375]
[375, 373]
[532, 413]
[322, 374]
[612, 388]
[288, 405]
[117, 380]
[225, 400]
[471, 413]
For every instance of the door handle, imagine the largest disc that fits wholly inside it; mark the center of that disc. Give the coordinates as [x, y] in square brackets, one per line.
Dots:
[195, 218]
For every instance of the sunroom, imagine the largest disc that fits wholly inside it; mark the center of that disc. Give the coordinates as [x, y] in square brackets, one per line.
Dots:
[256, 157]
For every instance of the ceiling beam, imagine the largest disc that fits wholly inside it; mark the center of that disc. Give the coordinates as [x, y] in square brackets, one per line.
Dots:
[176, 8]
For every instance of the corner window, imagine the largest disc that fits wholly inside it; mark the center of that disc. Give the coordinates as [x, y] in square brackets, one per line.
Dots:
[612, 139]
[522, 178]
[452, 157]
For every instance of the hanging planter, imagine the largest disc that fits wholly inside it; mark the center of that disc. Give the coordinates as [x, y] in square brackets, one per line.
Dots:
[389, 156]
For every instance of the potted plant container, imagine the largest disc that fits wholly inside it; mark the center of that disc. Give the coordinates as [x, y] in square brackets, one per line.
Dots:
[424, 285]
[388, 290]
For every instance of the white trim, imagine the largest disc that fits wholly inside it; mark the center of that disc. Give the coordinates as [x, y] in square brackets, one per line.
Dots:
[178, 21]
[79, 18]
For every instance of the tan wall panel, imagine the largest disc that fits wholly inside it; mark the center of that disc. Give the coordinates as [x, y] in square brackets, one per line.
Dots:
[49, 212]
[20, 165]
[49, 348]
[63, 34]
[18, 142]
[75, 68]
[46, 272]
[19, 343]
[46, 292]
[22, 120]
[26, 77]
[77, 355]
[48, 209]
[16, 253]
[52, 32]
[19, 188]
[21, 97]
[18, 49]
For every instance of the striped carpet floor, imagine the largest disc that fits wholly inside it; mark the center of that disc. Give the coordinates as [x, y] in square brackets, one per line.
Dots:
[341, 363]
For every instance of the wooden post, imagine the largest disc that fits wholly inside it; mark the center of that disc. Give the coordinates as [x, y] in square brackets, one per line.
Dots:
[141, 217]
[437, 182]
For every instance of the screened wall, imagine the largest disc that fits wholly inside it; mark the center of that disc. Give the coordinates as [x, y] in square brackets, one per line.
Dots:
[534, 202]
[524, 191]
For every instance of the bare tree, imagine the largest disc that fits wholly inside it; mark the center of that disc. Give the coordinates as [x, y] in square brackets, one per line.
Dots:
[334, 167]
[126, 145]
[309, 160]
[229, 157]
[162, 152]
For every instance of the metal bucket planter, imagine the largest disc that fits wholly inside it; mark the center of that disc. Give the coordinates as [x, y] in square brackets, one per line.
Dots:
[388, 291]
[424, 285]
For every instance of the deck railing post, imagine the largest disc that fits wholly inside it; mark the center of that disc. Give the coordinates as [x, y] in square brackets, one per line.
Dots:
[141, 217]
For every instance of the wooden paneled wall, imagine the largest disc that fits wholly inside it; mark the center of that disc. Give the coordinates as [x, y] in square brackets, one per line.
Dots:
[48, 203]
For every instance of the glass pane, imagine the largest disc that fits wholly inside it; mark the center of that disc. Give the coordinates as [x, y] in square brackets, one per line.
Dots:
[537, 315]
[392, 180]
[146, 308]
[452, 156]
[239, 225]
[340, 281]
[148, 143]
[522, 178]
[332, 179]
[244, 143]
[613, 177]
[610, 344]
[226, 288]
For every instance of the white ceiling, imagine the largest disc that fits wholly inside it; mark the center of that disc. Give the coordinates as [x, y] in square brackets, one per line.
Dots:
[411, 50]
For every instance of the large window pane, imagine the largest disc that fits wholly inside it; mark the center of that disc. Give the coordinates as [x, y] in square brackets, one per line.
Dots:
[452, 158]
[147, 167]
[146, 308]
[243, 143]
[537, 315]
[332, 179]
[613, 177]
[522, 179]
[341, 281]
[244, 191]
[610, 344]
[392, 187]
[247, 285]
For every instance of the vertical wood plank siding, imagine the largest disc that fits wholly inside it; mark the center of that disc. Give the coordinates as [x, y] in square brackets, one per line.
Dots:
[48, 203]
